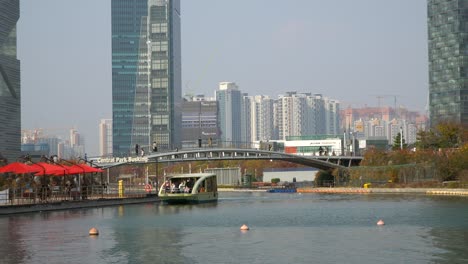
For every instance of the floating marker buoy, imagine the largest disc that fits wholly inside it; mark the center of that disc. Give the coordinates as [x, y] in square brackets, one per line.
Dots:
[244, 227]
[93, 232]
[380, 222]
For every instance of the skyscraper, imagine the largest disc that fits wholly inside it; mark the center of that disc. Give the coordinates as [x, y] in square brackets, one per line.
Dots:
[10, 96]
[448, 60]
[105, 137]
[229, 113]
[146, 74]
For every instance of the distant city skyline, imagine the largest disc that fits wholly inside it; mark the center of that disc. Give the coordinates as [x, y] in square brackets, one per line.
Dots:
[363, 52]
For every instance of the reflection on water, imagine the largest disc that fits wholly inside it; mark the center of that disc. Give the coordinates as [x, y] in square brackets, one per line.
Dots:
[285, 228]
[453, 243]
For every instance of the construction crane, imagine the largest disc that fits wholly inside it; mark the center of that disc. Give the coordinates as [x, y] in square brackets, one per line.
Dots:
[381, 96]
[37, 133]
[394, 96]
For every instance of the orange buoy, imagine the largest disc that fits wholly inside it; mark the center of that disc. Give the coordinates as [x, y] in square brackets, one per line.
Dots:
[244, 227]
[380, 222]
[93, 232]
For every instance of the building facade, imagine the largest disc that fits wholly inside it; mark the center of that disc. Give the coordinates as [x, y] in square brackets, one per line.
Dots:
[448, 60]
[246, 118]
[261, 118]
[10, 94]
[199, 122]
[146, 74]
[304, 114]
[105, 137]
[229, 114]
[126, 23]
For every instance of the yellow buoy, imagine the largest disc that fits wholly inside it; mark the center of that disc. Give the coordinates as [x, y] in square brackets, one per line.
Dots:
[380, 222]
[93, 232]
[244, 227]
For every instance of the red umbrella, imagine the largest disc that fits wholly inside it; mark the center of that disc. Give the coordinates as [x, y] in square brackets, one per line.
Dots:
[18, 167]
[90, 169]
[50, 169]
[83, 168]
[75, 169]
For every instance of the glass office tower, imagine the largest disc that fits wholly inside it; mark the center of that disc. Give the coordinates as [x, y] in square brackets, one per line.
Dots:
[164, 42]
[448, 60]
[146, 75]
[10, 110]
[229, 99]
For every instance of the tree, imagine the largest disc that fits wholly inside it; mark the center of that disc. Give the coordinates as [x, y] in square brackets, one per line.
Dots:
[426, 140]
[443, 135]
[397, 142]
[449, 135]
[324, 178]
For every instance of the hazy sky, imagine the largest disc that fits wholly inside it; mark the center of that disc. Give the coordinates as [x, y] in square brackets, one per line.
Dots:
[352, 51]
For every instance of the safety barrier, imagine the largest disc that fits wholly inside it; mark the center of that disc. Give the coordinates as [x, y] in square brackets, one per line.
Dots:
[46, 194]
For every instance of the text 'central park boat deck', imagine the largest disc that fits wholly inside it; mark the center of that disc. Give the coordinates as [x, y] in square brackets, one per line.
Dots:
[189, 188]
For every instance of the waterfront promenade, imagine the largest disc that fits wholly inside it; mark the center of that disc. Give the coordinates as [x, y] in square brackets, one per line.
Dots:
[67, 205]
[428, 191]
[353, 190]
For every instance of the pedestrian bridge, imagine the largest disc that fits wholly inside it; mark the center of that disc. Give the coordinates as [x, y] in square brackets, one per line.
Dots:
[319, 162]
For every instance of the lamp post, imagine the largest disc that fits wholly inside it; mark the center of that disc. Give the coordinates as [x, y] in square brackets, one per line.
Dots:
[148, 59]
[157, 176]
[401, 138]
[344, 143]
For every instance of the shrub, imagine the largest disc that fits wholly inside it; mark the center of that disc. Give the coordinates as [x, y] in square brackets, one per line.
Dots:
[275, 180]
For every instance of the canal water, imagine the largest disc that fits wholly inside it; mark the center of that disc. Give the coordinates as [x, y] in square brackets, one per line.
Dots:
[284, 228]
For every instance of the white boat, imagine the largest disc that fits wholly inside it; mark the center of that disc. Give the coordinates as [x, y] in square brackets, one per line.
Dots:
[189, 188]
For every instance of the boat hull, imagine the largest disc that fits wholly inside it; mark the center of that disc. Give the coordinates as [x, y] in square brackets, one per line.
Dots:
[174, 198]
[189, 188]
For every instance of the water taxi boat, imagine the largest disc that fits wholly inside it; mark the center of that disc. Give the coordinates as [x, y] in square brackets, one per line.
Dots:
[189, 188]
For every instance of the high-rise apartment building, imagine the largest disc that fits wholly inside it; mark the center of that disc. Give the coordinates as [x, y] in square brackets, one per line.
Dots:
[10, 96]
[448, 60]
[332, 116]
[246, 118]
[304, 114]
[105, 137]
[74, 138]
[261, 118]
[146, 74]
[229, 113]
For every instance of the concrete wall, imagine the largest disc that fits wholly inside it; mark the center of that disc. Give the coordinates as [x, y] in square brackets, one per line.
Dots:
[301, 174]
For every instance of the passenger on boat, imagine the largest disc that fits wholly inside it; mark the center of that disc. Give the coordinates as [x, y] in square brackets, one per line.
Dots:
[182, 186]
[173, 188]
[189, 184]
[167, 186]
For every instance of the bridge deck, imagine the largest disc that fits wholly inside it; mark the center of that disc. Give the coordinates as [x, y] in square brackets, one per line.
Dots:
[320, 162]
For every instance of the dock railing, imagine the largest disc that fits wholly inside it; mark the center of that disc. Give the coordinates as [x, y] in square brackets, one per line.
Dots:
[51, 194]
